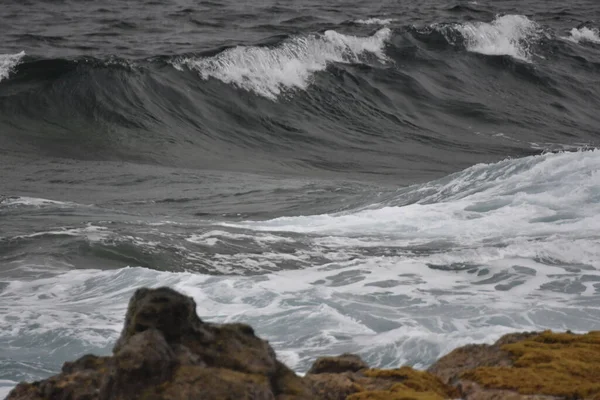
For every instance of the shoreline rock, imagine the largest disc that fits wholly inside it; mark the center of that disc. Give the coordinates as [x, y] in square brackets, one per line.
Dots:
[166, 352]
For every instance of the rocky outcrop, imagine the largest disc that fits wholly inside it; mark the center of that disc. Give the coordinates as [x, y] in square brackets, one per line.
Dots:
[166, 352]
[526, 366]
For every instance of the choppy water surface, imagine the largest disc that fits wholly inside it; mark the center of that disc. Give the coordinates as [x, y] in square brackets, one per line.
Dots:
[391, 179]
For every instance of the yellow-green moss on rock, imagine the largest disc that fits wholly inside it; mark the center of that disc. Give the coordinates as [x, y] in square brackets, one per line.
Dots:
[557, 364]
[408, 384]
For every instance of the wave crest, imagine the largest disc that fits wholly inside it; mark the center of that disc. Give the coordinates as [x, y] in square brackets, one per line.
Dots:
[584, 34]
[8, 62]
[374, 21]
[510, 35]
[270, 71]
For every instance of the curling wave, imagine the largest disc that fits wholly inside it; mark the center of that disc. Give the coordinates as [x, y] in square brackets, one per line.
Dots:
[270, 71]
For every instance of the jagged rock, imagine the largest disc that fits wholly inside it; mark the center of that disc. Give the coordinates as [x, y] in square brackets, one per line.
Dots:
[164, 309]
[166, 352]
[344, 363]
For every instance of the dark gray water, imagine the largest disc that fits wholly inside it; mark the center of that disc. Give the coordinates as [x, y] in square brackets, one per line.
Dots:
[393, 179]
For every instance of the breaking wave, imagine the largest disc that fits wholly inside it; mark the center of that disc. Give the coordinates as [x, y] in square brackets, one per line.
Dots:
[375, 21]
[270, 71]
[584, 34]
[8, 62]
[511, 35]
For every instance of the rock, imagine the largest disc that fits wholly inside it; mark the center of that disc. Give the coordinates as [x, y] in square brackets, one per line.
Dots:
[164, 309]
[333, 386]
[402, 383]
[526, 366]
[450, 367]
[345, 362]
[192, 382]
[166, 352]
[145, 358]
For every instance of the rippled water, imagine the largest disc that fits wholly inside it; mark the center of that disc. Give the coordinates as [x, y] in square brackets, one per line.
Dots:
[390, 179]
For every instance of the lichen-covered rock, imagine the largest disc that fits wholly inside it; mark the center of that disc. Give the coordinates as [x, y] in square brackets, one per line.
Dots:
[471, 356]
[344, 363]
[406, 383]
[166, 352]
[191, 382]
[554, 364]
[526, 366]
[402, 383]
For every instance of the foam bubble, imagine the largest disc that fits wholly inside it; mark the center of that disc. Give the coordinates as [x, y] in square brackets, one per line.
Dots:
[270, 71]
[584, 34]
[510, 35]
[8, 62]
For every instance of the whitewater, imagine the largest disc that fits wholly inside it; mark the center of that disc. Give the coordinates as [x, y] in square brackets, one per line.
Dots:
[392, 179]
[496, 248]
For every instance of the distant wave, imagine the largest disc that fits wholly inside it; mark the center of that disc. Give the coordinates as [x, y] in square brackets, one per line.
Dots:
[375, 21]
[8, 62]
[510, 35]
[584, 34]
[269, 71]
[307, 96]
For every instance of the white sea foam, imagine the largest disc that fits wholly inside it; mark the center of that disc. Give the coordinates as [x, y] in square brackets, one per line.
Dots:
[211, 238]
[496, 248]
[584, 34]
[375, 21]
[34, 202]
[8, 62]
[510, 35]
[527, 198]
[5, 387]
[270, 71]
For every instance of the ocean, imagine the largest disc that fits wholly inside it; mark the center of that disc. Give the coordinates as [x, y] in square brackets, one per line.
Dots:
[393, 179]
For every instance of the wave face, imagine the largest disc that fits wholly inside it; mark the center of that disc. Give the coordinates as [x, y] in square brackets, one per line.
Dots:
[315, 102]
[269, 71]
[388, 179]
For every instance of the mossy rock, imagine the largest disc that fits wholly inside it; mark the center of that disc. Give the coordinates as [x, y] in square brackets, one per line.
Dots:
[335, 365]
[192, 382]
[557, 364]
[409, 384]
[402, 383]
